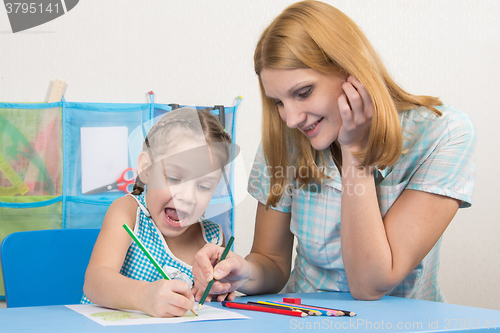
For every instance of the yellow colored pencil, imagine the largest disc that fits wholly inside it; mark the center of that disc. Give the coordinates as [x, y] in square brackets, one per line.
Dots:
[296, 306]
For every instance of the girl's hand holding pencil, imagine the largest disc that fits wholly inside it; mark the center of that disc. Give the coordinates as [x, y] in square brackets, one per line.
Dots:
[167, 298]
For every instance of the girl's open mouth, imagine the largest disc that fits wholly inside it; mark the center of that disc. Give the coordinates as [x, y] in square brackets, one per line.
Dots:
[175, 216]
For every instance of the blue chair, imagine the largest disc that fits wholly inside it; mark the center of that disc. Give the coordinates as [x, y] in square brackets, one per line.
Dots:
[46, 267]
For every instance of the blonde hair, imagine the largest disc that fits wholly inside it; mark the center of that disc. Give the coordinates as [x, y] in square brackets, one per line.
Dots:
[312, 34]
[183, 124]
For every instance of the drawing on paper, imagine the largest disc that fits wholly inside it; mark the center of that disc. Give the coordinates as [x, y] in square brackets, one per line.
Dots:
[119, 315]
[113, 317]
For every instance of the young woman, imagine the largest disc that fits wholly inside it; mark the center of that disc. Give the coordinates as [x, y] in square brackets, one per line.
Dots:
[365, 175]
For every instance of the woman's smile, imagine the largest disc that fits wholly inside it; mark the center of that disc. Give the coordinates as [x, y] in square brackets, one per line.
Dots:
[313, 129]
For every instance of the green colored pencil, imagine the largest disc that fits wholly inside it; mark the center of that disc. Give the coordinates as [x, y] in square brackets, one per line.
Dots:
[224, 254]
[150, 257]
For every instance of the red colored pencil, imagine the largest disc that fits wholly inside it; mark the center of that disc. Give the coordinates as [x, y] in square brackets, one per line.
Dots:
[243, 306]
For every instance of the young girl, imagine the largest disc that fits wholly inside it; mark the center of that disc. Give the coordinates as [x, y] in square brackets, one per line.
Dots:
[375, 174]
[180, 166]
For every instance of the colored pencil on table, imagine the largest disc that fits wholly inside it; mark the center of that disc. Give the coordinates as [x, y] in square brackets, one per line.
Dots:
[150, 257]
[224, 254]
[291, 308]
[308, 312]
[345, 313]
[253, 307]
[325, 312]
[312, 312]
[320, 311]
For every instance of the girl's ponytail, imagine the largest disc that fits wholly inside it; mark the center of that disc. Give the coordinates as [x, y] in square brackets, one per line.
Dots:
[138, 187]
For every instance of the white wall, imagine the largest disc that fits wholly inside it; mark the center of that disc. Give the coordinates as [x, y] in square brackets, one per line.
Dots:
[200, 52]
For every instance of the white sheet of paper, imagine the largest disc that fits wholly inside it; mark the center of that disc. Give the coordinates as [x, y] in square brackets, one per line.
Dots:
[104, 155]
[112, 317]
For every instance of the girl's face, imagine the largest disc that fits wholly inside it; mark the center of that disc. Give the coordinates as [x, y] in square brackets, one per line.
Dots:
[307, 100]
[180, 186]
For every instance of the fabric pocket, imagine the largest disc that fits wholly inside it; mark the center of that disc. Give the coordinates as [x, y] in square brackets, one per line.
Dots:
[28, 213]
[30, 149]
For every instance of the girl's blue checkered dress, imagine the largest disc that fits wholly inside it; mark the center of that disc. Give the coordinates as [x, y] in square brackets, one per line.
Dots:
[138, 267]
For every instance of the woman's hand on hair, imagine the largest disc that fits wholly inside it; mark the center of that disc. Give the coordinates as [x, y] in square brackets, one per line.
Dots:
[356, 110]
[229, 274]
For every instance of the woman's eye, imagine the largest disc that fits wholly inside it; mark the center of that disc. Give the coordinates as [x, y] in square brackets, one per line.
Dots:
[304, 92]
